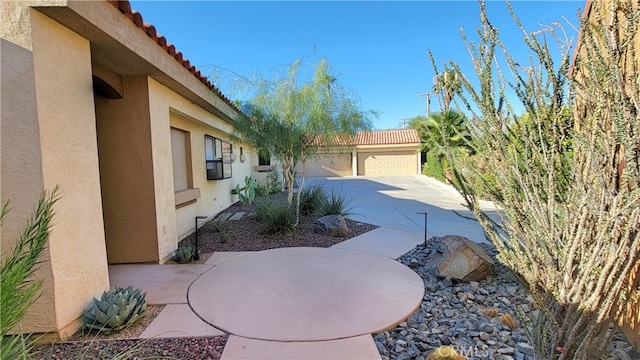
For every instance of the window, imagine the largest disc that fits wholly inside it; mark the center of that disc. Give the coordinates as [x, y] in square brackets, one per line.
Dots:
[264, 158]
[181, 154]
[218, 158]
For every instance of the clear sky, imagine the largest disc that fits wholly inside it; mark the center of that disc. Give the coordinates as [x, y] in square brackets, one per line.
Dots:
[377, 49]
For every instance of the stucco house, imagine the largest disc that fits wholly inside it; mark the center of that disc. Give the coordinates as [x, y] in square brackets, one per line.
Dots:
[96, 101]
[371, 153]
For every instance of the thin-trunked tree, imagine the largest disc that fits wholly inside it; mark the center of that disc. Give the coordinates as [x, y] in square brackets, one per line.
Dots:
[569, 197]
[292, 118]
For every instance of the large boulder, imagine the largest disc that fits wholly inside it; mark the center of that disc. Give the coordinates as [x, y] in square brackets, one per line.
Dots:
[332, 225]
[460, 258]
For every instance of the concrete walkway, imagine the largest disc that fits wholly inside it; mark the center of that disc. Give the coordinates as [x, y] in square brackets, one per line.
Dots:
[308, 303]
[290, 303]
[306, 294]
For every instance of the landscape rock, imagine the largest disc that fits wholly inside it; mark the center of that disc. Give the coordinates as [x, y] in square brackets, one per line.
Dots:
[331, 225]
[461, 259]
[473, 326]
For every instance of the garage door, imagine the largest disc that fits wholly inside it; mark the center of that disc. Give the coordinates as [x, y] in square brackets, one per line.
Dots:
[328, 165]
[388, 163]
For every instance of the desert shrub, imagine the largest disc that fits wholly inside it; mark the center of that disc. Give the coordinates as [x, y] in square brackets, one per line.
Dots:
[262, 190]
[433, 167]
[18, 290]
[184, 254]
[274, 184]
[223, 229]
[569, 195]
[311, 199]
[335, 203]
[276, 217]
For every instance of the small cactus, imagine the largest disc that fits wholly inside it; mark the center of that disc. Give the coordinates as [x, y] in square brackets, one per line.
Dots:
[184, 254]
[116, 310]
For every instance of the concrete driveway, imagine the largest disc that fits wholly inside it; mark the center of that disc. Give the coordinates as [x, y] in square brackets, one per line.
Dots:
[395, 201]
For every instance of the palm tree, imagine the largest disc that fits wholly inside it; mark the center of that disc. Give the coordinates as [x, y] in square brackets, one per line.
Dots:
[444, 132]
[448, 84]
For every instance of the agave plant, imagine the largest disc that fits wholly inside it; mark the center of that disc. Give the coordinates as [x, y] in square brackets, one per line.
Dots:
[184, 254]
[116, 310]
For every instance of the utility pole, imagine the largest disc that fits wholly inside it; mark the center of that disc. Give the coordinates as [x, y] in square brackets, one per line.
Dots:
[428, 99]
[402, 123]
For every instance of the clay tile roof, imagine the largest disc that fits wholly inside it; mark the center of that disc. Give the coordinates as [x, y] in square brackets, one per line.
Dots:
[376, 137]
[136, 18]
[387, 137]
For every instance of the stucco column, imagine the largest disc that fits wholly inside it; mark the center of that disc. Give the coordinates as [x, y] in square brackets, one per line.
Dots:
[354, 162]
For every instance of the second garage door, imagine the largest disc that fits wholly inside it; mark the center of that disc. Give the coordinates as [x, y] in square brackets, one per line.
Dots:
[388, 163]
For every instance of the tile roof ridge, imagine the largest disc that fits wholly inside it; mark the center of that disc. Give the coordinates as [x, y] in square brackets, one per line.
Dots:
[136, 18]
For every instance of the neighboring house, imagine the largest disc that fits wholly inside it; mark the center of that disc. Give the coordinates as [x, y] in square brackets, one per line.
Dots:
[95, 101]
[378, 152]
[628, 316]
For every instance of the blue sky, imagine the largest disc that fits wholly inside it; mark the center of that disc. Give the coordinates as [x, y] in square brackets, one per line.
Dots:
[377, 49]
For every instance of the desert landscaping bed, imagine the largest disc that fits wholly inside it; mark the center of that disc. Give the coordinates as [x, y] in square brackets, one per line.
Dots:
[244, 235]
[479, 318]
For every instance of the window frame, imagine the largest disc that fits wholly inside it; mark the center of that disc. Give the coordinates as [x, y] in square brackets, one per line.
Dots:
[190, 194]
[217, 166]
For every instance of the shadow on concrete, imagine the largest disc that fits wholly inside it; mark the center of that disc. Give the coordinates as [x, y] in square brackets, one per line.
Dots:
[397, 201]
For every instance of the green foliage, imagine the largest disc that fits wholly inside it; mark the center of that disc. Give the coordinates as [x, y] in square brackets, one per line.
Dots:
[292, 115]
[433, 167]
[272, 186]
[335, 203]
[565, 175]
[184, 254]
[18, 289]
[276, 217]
[115, 310]
[223, 229]
[262, 190]
[249, 188]
[311, 199]
[443, 134]
[416, 122]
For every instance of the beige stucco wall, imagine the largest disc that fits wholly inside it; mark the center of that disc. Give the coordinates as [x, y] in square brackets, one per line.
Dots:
[21, 175]
[168, 109]
[328, 164]
[62, 64]
[127, 177]
[50, 140]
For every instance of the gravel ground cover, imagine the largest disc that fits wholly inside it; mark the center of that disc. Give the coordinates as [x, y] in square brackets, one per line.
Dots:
[245, 234]
[479, 319]
[205, 348]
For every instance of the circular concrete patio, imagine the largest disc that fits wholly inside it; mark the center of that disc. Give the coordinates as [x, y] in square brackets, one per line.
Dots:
[306, 294]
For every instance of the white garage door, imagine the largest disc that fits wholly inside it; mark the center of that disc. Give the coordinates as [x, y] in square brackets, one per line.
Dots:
[388, 163]
[328, 165]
